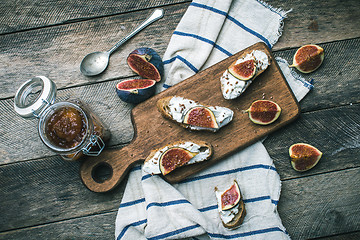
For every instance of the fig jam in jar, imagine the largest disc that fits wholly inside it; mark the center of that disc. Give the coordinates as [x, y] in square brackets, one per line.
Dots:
[68, 128]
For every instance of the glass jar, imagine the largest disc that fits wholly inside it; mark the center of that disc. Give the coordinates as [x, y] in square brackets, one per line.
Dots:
[68, 128]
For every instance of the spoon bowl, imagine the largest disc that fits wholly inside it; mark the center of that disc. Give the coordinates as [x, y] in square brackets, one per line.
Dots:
[94, 63]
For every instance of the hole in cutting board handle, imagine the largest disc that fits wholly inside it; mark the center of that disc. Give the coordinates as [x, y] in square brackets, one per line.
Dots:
[105, 172]
[102, 172]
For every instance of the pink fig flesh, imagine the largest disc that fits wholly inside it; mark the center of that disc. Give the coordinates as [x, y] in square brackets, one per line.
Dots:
[173, 158]
[147, 63]
[308, 58]
[304, 156]
[135, 90]
[231, 197]
[264, 112]
[201, 117]
[244, 70]
[135, 84]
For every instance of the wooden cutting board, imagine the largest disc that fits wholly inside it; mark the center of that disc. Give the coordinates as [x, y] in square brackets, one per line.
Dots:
[152, 131]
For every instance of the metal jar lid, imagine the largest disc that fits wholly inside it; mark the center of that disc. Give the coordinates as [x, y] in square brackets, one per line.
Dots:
[34, 96]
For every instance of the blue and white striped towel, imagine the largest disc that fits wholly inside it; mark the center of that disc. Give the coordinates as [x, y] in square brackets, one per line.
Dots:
[154, 209]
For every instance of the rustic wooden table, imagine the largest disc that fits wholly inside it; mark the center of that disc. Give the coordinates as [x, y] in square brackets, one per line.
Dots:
[42, 196]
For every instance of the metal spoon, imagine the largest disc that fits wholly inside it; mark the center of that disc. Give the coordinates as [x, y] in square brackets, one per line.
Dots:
[96, 62]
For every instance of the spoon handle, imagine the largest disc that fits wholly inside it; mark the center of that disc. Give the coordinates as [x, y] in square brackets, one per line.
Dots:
[157, 14]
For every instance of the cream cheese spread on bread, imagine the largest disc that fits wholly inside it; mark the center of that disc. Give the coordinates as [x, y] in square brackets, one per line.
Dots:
[152, 165]
[231, 86]
[179, 106]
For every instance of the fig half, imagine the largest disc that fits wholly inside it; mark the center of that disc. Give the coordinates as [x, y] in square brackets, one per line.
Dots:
[304, 156]
[201, 117]
[173, 158]
[244, 70]
[308, 58]
[231, 197]
[147, 63]
[264, 112]
[135, 90]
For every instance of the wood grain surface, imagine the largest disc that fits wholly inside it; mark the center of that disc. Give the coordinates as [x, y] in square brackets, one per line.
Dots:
[42, 196]
[152, 131]
[57, 51]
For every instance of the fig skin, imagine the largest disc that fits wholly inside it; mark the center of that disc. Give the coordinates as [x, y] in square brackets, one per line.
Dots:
[147, 63]
[304, 156]
[244, 70]
[264, 112]
[308, 58]
[135, 90]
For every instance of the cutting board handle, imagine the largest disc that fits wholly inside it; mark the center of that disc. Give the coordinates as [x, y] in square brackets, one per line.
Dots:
[119, 161]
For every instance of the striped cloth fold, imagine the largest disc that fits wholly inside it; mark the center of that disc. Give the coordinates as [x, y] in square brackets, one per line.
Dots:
[151, 208]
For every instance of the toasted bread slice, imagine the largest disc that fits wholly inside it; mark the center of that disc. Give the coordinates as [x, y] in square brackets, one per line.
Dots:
[239, 217]
[202, 152]
[177, 110]
[163, 106]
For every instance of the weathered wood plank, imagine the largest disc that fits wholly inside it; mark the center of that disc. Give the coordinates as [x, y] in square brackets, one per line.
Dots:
[319, 21]
[332, 20]
[19, 139]
[347, 236]
[306, 209]
[333, 131]
[100, 226]
[321, 205]
[336, 81]
[48, 190]
[57, 52]
[24, 15]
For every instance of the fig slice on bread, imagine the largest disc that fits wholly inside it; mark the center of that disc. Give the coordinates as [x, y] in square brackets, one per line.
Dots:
[172, 156]
[201, 117]
[231, 197]
[244, 70]
[231, 206]
[193, 115]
